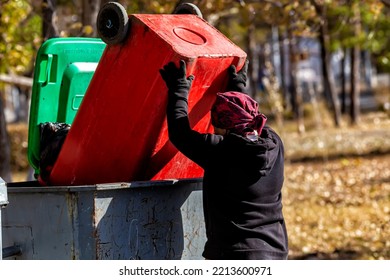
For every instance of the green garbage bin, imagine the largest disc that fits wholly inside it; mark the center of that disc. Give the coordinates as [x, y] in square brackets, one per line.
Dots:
[63, 70]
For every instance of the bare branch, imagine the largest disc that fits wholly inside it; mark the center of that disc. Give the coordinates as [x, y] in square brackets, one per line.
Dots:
[275, 3]
[16, 80]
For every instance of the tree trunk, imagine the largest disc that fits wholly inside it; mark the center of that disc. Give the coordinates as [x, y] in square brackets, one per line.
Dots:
[355, 85]
[295, 88]
[90, 10]
[49, 19]
[355, 70]
[271, 85]
[343, 82]
[329, 84]
[283, 83]
[5, 147]
[251, 50]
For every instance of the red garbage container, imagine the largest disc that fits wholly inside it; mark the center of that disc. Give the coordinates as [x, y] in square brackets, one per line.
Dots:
[120, 132]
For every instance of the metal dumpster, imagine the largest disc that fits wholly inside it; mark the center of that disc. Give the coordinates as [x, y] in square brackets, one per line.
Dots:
[3, 203]
[140, 220]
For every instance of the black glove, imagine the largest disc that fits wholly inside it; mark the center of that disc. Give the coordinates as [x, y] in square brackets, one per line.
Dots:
[176, 80]
[237, 80]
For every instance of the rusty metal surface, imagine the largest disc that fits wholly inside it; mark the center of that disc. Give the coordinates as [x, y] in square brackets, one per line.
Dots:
[3, 203]
[140, 220]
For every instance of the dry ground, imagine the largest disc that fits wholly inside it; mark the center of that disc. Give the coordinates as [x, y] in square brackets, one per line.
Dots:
[337, 190]
[339, 209]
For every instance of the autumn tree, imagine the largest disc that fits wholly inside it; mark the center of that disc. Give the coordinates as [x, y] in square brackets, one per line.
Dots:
[18, 42]
[355, 63]
[357, 29]
[321, 8]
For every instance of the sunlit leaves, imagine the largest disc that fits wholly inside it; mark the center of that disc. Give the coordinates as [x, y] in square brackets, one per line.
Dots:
[20, 32]
[340, 205]
[150, 6]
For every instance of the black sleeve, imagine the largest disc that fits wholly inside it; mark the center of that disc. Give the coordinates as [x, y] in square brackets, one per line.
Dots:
[196, 146]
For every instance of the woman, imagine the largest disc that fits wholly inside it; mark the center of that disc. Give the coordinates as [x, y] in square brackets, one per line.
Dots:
[243, 164]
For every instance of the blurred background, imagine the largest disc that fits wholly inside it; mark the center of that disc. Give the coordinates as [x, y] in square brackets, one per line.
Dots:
[321, 72]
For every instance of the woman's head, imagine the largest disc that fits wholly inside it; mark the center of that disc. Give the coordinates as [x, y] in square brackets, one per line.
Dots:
[237, 112]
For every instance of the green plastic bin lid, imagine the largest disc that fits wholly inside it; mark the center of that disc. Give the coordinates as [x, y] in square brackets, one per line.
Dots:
[63, 70]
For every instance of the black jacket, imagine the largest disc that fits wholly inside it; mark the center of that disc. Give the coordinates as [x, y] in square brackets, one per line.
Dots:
[242, 185]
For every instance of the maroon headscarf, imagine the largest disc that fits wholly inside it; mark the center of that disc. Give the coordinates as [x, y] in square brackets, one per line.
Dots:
[237, 112]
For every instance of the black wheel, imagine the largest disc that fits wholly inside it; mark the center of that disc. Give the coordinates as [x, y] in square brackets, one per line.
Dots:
[188, 8]
[112, 23]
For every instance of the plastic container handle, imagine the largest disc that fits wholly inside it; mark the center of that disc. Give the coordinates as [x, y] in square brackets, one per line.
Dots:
[48, 69]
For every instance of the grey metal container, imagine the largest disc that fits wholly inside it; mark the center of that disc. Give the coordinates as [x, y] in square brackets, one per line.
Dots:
[138, 220]
[3, 203]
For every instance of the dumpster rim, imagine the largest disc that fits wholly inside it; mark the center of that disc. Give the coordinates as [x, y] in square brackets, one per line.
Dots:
[32, 186]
